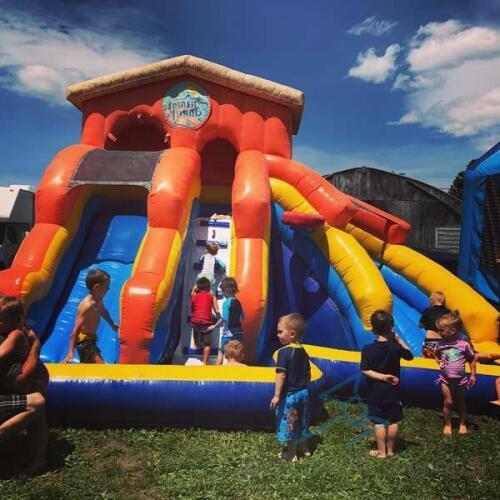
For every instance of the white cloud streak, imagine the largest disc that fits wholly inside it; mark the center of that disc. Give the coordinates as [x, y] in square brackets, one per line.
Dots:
[41, 60]
[372, 26]
[450, 44]
[452, 82]
[373, 68]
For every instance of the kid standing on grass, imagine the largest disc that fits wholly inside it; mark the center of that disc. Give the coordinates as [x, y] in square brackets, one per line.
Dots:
[380, 363]
[430, 315]
[90, 310]
[203, 307]
[291, 397]
[452, 353]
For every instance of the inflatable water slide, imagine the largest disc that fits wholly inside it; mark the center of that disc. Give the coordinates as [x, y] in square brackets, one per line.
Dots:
[165, 150]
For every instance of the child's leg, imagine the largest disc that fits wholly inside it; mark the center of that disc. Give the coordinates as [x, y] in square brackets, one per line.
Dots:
[392, 434]
[447, 407]
[497, 387]
[39, 432]
[220, 358]
[206, 353]
[197, 338]
[380, 436]
[459, 401]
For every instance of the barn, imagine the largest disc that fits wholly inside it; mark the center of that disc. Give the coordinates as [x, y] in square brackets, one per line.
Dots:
[433, 213]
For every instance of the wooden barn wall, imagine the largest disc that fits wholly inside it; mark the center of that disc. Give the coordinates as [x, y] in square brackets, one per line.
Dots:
[422, 206]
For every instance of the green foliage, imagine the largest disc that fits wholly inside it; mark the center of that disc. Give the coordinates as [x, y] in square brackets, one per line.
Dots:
[457, 186]
[143, 464]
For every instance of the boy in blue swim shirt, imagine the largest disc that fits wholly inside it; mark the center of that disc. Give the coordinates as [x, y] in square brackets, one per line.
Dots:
[231, 316]
[291, 397]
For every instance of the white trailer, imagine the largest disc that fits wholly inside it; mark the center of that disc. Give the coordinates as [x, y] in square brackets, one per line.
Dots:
[16, 219]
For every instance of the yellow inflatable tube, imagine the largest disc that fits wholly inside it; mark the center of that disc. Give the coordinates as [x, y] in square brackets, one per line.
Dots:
[363, 280]
[479, 317]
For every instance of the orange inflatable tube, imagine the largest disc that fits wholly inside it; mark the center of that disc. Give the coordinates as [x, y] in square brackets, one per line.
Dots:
[175, 185]
[251, 204]
[337, 208]
[35, 264]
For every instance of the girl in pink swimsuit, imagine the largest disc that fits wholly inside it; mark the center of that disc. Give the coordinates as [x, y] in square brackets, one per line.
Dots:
[452, 354]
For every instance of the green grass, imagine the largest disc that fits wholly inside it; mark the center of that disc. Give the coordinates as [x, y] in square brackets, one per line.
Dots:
[143, 464]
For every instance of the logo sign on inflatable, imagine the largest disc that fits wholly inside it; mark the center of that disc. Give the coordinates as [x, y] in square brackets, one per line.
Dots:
[187, 105]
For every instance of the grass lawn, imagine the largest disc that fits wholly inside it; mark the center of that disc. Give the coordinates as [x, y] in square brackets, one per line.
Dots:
[143, 464]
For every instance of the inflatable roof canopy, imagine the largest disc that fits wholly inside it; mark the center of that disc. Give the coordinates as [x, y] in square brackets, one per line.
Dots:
[479, 260]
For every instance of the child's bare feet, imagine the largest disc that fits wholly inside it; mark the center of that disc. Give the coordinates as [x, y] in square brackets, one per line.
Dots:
[376, 454]
[447, 430]
[463, 430]
[390, 454]
[286, 455]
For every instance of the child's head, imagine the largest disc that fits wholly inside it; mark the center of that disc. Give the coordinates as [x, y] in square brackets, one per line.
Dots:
[437, 299]
[234, 350]
[212, 248]
[229, 287]
[11, 313]
[449, 325]
[382, 323]
[203, 284]
[291, 328]
[97, 282]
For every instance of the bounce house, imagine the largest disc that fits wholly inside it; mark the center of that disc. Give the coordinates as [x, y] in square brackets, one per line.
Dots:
[163, 148]
[479, 260]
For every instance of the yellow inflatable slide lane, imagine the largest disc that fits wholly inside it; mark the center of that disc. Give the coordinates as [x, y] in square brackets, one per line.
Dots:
[479, 317]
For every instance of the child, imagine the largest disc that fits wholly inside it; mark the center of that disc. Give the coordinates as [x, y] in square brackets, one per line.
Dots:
[430, 315]
[291, 397]
[380, 363]
[231, 316]
[234, 353]
[210, 263]
[17, 342]
[452, 353]
[203, 304]
[24, 380]
[90, 310]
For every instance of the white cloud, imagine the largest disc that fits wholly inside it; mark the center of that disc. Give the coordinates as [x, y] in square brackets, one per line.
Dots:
[41, 60]
[372, 26]
[452, 82]
[372, 68]
[449, 44]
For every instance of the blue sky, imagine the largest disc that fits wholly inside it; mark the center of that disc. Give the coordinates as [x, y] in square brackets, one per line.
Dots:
[402, 85]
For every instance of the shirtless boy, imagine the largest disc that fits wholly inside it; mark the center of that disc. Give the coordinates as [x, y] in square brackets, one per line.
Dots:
[90, 310]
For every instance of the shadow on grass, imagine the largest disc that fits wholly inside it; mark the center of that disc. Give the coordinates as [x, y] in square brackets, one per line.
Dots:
[15, 454]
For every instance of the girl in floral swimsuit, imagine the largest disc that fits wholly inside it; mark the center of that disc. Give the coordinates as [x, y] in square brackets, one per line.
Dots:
[452, 354]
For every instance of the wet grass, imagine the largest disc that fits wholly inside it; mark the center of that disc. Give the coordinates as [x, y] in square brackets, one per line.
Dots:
[143, 464]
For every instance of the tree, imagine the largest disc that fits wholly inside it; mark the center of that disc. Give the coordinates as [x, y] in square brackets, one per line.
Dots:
[457, 186]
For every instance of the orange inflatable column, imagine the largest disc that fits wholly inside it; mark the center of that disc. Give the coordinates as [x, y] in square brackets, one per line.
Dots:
[176, 183]
[251, 203]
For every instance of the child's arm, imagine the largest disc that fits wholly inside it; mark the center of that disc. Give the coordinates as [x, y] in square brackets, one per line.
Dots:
[391, 379]
[80, 316]
[10, 343]
[406, 352]
[105, 314]
[216, 311]
[31, 361]
[472, 359]
[278, 387]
